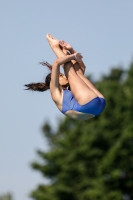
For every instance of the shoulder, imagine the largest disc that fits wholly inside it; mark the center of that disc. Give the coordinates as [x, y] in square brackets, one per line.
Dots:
[56, 94]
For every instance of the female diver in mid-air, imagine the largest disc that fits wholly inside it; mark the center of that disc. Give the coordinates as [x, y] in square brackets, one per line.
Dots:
[74, 95]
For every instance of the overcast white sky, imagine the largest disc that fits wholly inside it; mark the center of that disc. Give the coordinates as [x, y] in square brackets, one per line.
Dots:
[101, 30]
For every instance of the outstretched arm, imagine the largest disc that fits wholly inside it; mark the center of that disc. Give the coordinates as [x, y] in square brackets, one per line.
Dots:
[54, 84]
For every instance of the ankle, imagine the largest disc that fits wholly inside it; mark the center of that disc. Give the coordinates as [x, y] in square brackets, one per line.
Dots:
[55, 46]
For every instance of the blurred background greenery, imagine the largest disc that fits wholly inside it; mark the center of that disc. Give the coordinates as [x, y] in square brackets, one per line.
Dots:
[7, 196]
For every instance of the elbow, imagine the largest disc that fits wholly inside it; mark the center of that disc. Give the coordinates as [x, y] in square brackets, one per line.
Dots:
[56, 63]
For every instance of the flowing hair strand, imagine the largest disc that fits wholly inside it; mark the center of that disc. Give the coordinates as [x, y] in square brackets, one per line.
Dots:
[40, 87]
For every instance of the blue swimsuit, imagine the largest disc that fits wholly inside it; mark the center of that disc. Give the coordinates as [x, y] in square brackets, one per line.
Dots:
[95, 106]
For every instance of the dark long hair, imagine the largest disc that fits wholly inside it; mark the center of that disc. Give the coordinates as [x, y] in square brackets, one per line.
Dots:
[41, 86]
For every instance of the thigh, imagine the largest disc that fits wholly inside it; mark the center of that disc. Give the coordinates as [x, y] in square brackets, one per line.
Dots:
[78, 69]
[90, 85]
[82, 93]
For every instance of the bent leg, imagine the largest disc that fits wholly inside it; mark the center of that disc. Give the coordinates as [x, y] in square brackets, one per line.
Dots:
[79, 68]
[79, 84]
[79, 88]
[90, 85]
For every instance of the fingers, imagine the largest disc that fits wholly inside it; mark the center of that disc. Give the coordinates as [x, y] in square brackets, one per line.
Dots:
[65, 45]
[60, 42]
[78, 56]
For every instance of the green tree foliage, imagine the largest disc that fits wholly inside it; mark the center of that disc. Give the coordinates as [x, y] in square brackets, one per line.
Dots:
[93, 159]
[6, 197]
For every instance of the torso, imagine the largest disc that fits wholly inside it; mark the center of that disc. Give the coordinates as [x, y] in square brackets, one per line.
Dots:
[72, 113]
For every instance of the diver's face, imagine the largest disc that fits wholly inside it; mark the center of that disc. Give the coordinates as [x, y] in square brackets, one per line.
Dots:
[63, 80]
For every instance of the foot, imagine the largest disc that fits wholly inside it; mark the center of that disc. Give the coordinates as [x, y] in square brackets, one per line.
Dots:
[65, 45]
[52, 41]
